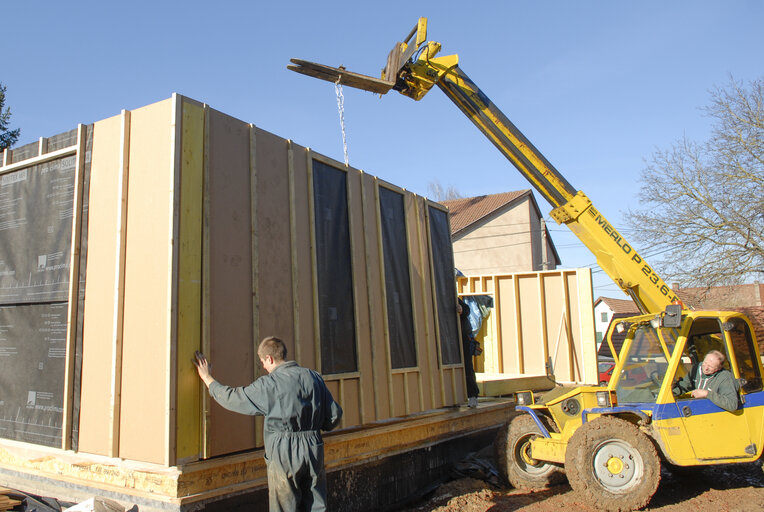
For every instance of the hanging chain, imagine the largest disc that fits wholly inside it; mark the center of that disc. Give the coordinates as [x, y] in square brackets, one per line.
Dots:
[341, 110]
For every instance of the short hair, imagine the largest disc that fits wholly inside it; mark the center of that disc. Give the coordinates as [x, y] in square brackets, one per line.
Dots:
[274, 347]
[720, 355]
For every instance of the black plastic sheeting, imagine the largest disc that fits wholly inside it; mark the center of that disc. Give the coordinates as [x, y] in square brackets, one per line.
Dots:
[32, 356]
[36, 209]
[334, 270]
[36, 232]
[400, 319]
[445, 286]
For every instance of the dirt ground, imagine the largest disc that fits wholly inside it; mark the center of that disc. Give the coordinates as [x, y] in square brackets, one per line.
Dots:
[738, 487]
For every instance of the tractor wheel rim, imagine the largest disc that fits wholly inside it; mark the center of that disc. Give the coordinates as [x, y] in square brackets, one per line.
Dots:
[522, 455]
[617, 465]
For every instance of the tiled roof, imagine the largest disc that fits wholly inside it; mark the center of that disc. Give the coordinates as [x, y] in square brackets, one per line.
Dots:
[626, 306]
[756, 315]
[465, 212]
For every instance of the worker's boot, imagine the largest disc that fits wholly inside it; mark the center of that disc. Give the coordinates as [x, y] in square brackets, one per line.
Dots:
[472, 402]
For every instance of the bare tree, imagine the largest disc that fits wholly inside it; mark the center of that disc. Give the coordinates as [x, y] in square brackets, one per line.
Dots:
[703, 203]
[438, 192]
[7, 137]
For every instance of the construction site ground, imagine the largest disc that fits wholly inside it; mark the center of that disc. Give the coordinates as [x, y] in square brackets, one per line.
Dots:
[735, 487]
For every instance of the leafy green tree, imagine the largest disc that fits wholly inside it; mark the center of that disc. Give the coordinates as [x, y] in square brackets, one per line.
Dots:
[703, 202]
[7, 137]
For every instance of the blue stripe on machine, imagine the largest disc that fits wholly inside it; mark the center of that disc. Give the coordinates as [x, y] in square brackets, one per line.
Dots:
[698, 405]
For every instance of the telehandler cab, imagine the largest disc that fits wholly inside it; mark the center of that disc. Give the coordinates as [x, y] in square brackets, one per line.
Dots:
[609, 441]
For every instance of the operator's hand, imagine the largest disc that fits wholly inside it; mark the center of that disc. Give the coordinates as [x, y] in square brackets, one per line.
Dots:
[203, 367]
[699, 393]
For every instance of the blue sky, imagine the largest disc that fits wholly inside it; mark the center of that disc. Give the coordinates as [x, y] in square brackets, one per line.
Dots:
[597, 86]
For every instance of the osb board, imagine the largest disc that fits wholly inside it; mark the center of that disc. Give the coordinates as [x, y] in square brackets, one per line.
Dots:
[144, 425]
[363, 400]
[382, 381]
[273, 235]
[232, 348]
[189, 386]
[100, 321]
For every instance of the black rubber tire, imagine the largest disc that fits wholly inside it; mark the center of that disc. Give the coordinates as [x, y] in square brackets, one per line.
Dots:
[512, 457]
[612, 464]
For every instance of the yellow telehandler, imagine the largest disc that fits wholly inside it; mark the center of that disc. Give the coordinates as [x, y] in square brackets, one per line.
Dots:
[608, 441]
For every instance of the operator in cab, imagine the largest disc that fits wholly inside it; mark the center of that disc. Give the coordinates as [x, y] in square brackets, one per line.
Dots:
[709, 379]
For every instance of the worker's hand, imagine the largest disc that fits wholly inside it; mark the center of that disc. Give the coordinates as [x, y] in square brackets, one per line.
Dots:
[203, 367]
[699, 393]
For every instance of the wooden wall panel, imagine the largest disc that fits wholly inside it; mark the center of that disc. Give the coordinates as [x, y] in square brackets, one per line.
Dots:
[189, 386]
[100, 314]
[274, 254]
[148, 277]
[351, 398]
[430, 320]
[540, 317]
[232, 348]
[398, 403]
[450, 378]
[585, 328]
[507, 324]
[414, 391]
[562, 338]
[304, 264]
[530, 324]
[365, 396]
[377, 321]
[416, 388]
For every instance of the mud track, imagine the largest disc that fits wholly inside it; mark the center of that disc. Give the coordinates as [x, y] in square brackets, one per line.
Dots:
[735, 487]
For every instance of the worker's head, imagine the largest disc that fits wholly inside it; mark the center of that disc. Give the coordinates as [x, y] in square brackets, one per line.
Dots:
[713, 362]
[272, 352]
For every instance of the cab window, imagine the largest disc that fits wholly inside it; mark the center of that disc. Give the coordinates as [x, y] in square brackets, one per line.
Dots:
[745, 355]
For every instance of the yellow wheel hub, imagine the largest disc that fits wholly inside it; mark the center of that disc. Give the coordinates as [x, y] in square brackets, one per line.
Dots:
[615, 465]
[526, 455]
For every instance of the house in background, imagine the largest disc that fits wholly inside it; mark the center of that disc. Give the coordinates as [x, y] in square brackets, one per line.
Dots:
[605, 309]
[500, 234]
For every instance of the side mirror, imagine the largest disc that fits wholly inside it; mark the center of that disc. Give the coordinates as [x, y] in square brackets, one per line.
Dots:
[673, 316]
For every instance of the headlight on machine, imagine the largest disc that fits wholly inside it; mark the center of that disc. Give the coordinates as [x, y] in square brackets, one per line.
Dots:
[524, 398]
[603, 399]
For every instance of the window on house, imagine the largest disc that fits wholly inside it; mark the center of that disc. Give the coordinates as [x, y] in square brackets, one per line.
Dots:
[400, 319]
[445, 286]
[334, 270]
[604, 316]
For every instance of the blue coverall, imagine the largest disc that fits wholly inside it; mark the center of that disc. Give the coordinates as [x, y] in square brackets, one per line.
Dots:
[297, 406]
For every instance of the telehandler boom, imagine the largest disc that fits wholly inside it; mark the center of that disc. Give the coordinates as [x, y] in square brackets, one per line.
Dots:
[413, 69]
